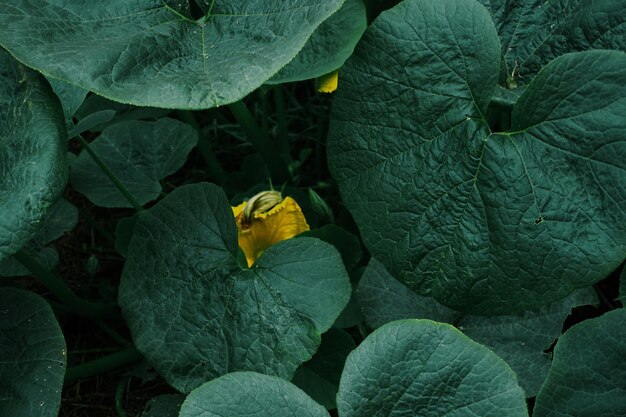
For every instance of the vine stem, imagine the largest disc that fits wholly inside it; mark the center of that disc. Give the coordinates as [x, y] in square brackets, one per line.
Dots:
[102, 365]
[133, 202]
[57, 286]
[261, 141]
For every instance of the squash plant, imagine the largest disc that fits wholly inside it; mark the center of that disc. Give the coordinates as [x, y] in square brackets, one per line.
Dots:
[458, 256]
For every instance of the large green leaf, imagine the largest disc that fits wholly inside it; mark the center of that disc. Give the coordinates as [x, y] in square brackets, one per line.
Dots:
[32, 354]
[196, 313]
[139, 153]
[483, 222]
[419, 367]
[245, 394]
[320, 376]
[534, 32]
[146, 52]
[33, 144]
[521, 340]
[588, 376]
[329, 46]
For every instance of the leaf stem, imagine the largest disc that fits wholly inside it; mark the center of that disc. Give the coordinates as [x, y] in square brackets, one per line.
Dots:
[57, 286]
[119, 393]
[102, 365]
[261, 142]
[122, 189]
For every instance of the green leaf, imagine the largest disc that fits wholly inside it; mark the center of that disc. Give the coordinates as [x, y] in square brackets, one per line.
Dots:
[534, 32]
[146, 53]
[58, 220]
[486, 223]
[521, 340]
[346, 243]
[33, 355]
[320, 376]
[196, 313]
[419, 367]
[91, 121]
[245, 394]
[71, 98]
[140, 154]
[329, 46]
[167, 405]
[33, 144]
[588, 375]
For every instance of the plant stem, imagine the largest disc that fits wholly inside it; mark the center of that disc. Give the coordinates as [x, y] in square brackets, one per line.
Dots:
[261, 142]
[119, 393]
[122, 189]
[102, 365]
[57, 286]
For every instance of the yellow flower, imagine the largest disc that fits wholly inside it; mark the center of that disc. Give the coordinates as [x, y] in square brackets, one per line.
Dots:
[265, 219]
[328, 83]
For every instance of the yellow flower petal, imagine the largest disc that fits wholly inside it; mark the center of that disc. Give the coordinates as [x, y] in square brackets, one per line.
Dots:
[328, 83]
[283, 221]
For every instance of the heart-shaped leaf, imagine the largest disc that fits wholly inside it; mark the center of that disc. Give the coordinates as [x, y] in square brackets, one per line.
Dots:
[139, 154]
[484, 222]
[329, 46]
[521, 340]
[534, 32]
[146, 52]
[244, 394]
[419, 367]
[33, 169]
[588, 376]
[197, 313]
[32, 351]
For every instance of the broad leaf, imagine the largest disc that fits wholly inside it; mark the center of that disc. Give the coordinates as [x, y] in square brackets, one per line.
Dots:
[419, 367]
[588, 376]
[140, 154]
[32, 351]
[59, 219]
[33, 144]
[534, 32]
[483, 222]
[196, 313]
[320, 376]
[245, 394]
[329, 46]
[146, 52]
[521, 340]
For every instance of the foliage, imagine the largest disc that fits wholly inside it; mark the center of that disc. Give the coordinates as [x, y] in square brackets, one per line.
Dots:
[187, 227]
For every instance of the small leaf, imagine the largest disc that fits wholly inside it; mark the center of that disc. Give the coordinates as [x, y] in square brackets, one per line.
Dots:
[71, 98]
[33, 168]
[140, 154]
[320, 376]
[196, 312]
[245, 394]
[588, 375]
[167, 405]
[33, 355]
[419, 367]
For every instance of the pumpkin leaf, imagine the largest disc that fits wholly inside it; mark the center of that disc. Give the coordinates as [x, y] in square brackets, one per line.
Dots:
[33, 167]
[152, 53]
[197, 313]
[485, 222]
